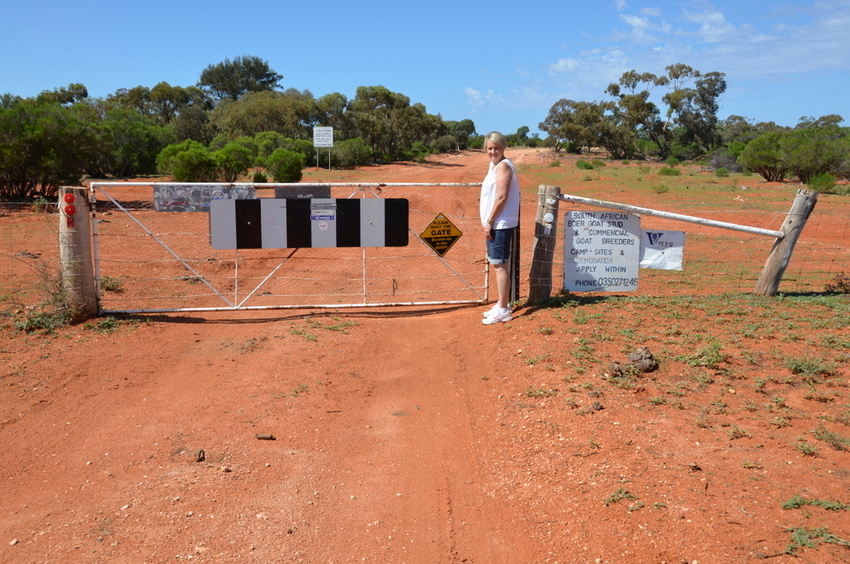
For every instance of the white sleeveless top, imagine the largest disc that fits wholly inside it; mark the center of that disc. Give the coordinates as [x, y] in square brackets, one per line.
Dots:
[509, 216]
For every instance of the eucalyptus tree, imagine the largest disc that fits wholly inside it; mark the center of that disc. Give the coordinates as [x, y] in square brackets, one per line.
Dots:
[44, 144]
[633, 115]
[291, 113]
[230, 80]
[389, 124]
[331, 112]
[163, 103]
[578, 124]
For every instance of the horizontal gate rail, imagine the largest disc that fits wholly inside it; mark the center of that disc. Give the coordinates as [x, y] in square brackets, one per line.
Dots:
[673, 216]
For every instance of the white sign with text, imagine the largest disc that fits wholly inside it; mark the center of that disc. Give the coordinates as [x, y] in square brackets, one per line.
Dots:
[601, 251]
[323, 136]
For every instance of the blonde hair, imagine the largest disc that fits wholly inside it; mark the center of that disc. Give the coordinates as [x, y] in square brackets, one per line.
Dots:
[496, 138]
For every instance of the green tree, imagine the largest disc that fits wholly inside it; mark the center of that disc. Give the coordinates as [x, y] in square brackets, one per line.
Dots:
[763, 156]
[44, 145]
[389, 124]
[167, 102]
[291, 113]
[740, 129]
[267, 142]
[230, 80]
[73, 93]
[7, 101]
[129, 144]
[633, 115]
[620, 139]
[331, 112]
[188, 161]
[461, 130]
[285, 166]
[823, 121]
[136, 98]
[351, 153]
[697, 109]
[577, 125]
[233, 160]
[163, 103]
[811, 151]
[193, 122]
[444, 144]
[522, 134]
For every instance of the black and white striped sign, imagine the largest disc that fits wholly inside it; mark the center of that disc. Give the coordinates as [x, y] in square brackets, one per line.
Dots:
[272, 223]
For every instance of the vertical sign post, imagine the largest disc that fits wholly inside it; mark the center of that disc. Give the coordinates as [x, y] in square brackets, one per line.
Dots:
[323, 137]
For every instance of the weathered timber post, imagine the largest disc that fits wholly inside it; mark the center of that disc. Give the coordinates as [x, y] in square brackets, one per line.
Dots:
[780, 254]
[545, 239]
[75, 252]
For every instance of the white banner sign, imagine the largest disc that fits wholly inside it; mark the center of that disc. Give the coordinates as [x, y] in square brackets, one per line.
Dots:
[663, 250]
[601, 251]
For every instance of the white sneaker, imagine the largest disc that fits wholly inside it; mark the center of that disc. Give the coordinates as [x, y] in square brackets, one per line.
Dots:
[502, 315]
[492, 311]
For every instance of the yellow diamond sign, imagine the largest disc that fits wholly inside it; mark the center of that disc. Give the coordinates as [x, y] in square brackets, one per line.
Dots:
[441, 234]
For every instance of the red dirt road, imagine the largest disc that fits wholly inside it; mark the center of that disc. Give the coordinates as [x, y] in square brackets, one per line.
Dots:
[407, 435]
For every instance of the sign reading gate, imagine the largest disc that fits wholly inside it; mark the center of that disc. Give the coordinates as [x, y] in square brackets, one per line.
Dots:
[441, 234]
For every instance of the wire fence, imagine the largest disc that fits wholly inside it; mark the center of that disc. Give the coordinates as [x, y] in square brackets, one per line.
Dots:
[136, 272]
[29, 239]
[717, 260]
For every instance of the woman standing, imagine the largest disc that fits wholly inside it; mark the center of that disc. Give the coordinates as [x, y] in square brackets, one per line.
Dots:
[499, 209]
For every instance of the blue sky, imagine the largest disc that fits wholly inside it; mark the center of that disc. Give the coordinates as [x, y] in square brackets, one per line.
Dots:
[501, 64]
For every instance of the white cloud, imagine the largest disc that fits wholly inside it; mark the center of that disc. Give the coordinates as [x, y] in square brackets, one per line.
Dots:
[565, 65]
[639, 26]
[478, 100]
[474, 97]
[713, 25]
[528, 98]
[644, 29]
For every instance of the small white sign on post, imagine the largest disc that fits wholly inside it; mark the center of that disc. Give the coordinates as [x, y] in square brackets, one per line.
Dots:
[323, 136]
[601, 251]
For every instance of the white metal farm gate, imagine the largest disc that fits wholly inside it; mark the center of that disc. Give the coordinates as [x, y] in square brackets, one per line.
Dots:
[149, 261]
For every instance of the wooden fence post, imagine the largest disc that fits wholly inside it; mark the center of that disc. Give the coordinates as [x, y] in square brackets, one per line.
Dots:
[75, 252]
[545, 239]
[780, 254]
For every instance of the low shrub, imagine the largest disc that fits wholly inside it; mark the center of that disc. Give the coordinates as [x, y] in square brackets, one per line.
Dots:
[285, 166]
[824, 183]
[839, 285]
[351, 153]
[669, 171]
[188, 161]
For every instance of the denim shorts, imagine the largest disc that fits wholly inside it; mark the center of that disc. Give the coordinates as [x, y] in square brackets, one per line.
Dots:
[499, 247]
